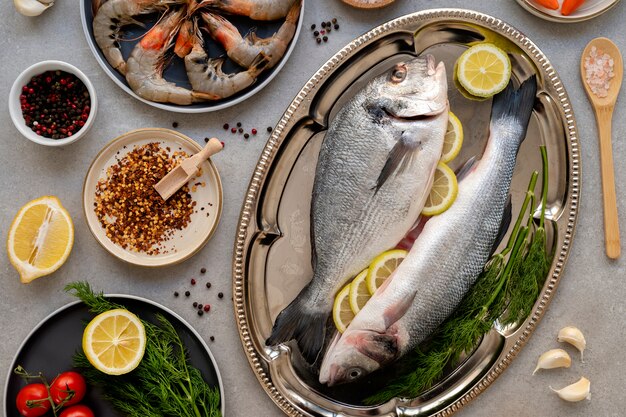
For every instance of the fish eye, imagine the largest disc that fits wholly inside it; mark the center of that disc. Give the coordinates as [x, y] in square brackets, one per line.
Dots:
[354, 373]
[399, 73]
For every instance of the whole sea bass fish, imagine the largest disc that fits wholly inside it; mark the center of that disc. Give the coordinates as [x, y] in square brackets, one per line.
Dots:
[446, 258]
[374, 173]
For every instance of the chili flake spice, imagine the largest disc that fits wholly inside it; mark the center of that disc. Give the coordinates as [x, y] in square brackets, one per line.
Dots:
[132, 213]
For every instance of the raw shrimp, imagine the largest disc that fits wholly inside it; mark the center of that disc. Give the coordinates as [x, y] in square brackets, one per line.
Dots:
[206, 75]
[184, 39]
[245, 50]
[112, 15]
[146, 63]
[254, 9]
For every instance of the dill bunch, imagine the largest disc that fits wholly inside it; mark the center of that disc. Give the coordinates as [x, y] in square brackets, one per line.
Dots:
[506, 290]
[164, 383]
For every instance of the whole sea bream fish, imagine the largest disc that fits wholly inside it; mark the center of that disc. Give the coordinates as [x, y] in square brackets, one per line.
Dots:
[374, 173]
[446, 258]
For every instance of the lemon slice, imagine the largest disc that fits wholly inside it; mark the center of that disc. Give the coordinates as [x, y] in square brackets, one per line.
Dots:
[342, 313]
[453, 140]
[359, 295]
[114, 341]
[484, 70]
[382, 267]
[443, 193]
[40, 238]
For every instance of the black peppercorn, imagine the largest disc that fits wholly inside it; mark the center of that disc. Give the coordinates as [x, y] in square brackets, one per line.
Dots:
[187, 293]
[212, 338]
[313, 26]
[195, 304]
[208, 285]
[220, 295]
[318, 40]
[316, 33]
[203, 270]
[269, 128]
[334, 20]
[175, 125]
[200, 312]
[225, 126]
[246, 135]
[175, 292]
[238, 124]
[325, 38]
[336, 26]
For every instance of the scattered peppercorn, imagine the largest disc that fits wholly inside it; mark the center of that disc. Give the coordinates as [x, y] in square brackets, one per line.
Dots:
[220, 295]
[175, 293]
[316, 33]
[212, 338]
[200, 306]
[241, 130]
[327, 24]
[233, 130]
[325, 38]
[203, 270]
[313, 26]
[193, 281]
[195, 304]
[206, 140]
[207, 308]
[200, 312]
[334, 20]
[323, 24]
[269, 128]
[336, 26]
[187, 293]
[246, 136]
[55, 104]
[238, 124]
[254, 131]
[208, 285]
[225, 126]
[175, 125]
[318, 40]
[328, 30]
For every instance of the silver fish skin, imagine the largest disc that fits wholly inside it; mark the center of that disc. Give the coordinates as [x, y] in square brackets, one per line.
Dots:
[375, 168]
[445, 260]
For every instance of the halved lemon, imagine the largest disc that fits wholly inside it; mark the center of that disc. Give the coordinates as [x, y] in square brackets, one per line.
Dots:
[382, 267]
[453, 140]
[484, 70]
[359, 295]
[114, 341]
[443, 193]
[342, 313]
[40, 238]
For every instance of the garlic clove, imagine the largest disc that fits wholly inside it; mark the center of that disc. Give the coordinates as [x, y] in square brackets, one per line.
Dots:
[574, 337]
[31, 7]
[555, 358]
[578, 391]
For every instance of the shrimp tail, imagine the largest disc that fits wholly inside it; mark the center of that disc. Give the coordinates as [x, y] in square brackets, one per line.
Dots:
[259, 64]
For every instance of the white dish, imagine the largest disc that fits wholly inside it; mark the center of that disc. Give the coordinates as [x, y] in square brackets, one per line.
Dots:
[183, 244]
[15, 108]
[588, 10]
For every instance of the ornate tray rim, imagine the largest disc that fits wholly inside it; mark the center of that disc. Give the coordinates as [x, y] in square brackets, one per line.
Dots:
[567, 220]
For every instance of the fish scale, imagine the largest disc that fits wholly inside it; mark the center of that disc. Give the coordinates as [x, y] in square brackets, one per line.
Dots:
[445, 260]
[375, 168]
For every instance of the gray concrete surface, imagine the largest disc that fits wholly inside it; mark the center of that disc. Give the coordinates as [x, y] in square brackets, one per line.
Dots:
[591, 294]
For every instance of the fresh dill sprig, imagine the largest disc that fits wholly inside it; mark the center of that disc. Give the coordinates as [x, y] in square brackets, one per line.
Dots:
[164, 383]
[506, 290]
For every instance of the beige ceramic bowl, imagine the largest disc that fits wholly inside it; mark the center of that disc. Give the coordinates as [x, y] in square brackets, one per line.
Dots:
[184, 243]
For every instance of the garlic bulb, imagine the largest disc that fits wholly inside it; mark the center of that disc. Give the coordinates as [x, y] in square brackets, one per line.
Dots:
[578, 391]
[555, 358]
[32, 7]
[574, 337]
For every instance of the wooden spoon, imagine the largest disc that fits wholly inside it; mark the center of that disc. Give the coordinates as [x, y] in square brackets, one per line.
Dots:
[180, 175]
[603, 107]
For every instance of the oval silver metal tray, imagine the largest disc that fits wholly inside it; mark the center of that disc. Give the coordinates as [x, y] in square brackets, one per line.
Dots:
[272, 249]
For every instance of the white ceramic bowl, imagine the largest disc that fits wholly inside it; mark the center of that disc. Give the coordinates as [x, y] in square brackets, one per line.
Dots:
[16, 110]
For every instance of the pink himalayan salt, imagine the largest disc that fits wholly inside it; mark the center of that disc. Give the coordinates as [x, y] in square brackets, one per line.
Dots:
[599, 71]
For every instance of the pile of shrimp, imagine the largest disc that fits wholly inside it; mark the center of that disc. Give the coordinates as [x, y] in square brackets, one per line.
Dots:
[179, 27]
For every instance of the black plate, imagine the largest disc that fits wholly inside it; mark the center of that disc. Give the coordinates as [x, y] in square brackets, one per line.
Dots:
[50, 346]
[175, 71]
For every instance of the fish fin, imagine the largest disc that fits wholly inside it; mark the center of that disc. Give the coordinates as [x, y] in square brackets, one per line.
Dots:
[504, 226]
[383, 348]
[514, 104]
[399, 157]
[466, 168]
[394, 313]
[307, 327]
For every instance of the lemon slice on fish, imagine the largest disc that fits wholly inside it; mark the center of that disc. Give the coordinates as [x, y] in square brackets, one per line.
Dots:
[453, 140]
[359, 294]
[342, 313]
[484, 70]
[443, 193]
[382, 267]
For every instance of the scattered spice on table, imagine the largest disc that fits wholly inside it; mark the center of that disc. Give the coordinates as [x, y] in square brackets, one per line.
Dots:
[132, 213]
[254, 131]
[207, 308]
[212, 338]
[200, 312]
[195, 304]
[208, 285]
[175, 125]
[326, 29]
[55, 104]
[246, 135]
[176, 294]
[599, 71]
[203, 270]
[187, 293]
[220, 295]
[225, 126]
[269, 129]
[193, 281]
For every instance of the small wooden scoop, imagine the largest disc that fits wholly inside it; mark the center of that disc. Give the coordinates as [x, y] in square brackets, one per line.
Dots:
[603, 107]
[180, 175]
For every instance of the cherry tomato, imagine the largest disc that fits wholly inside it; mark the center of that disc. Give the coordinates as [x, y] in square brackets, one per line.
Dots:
[77, 411]
[66, 383]
[32, 400]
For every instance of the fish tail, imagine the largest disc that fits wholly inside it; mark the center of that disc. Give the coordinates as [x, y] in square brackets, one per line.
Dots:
[297, 321]
[514, 104]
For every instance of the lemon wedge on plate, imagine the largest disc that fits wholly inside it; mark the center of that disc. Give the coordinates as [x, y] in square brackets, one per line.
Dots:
[382, 267]
[453, 140]
[359, 294]
[342, 313]
[484, 70]
[40, 238]
[443, 193]
[114, 341]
